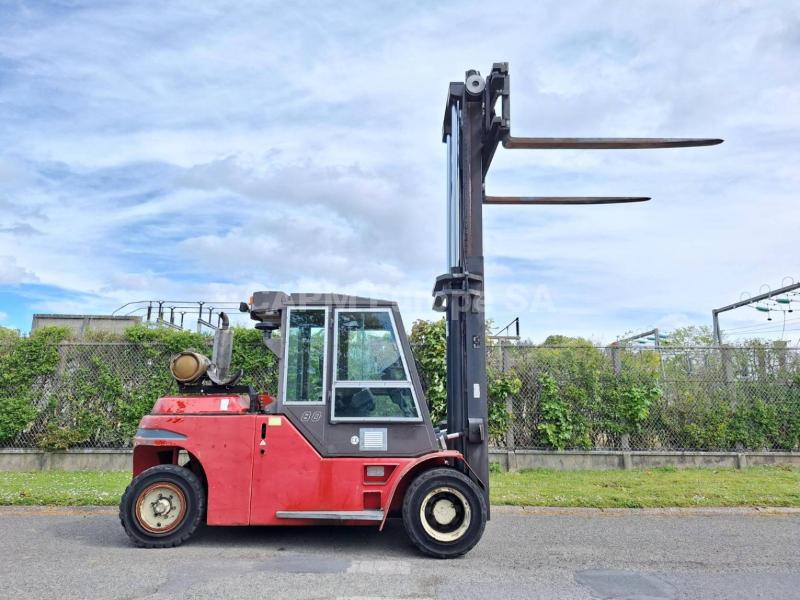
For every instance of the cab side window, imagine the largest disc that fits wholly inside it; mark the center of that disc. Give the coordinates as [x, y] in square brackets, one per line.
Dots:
[371, 379]
[305, 355]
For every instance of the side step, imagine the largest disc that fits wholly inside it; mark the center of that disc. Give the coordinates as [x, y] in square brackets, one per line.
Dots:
[332, 515]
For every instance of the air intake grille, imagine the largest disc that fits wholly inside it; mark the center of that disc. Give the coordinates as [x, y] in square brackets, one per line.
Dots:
[373, 439]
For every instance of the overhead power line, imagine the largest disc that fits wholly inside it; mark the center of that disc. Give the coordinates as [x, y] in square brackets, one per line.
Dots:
[766, 296]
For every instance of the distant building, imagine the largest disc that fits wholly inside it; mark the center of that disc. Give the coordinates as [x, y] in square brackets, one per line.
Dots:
[80, 324]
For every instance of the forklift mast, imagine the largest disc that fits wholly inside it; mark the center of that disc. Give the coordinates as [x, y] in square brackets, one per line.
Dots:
[472, 130]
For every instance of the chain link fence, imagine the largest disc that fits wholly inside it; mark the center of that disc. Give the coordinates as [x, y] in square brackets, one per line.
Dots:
[582, 397]
[92, 395]
[86, 394]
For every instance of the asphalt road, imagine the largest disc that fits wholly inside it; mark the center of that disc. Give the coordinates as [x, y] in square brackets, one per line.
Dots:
[543, 553]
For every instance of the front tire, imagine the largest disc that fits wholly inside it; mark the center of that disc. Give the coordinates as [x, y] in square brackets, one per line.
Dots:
[162, 507]
[444, 513]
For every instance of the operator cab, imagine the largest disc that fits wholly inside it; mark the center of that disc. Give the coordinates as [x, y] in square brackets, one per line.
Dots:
[348, 379]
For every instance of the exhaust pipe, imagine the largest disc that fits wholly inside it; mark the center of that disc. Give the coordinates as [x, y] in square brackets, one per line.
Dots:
[219, 371]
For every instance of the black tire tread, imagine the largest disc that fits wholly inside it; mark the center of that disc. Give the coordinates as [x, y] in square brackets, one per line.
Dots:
[416, 538]
[186, 530]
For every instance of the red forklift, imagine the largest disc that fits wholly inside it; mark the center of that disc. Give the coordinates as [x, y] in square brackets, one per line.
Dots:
[349, 438]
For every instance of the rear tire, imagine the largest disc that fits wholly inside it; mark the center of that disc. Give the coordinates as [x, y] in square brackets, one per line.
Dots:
[162, 507]
[444, 513]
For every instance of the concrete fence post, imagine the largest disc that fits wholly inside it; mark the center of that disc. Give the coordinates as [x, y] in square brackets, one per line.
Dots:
[627, 461]
[727, 364]
[510, 443]
[504, 365]
[625, 438]
[616, 359]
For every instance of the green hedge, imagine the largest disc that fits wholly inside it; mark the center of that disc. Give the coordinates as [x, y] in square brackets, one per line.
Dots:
[57, 394]
[567, 394]
[571, 397]
[22, 362]
[674, 398]
[429, 343]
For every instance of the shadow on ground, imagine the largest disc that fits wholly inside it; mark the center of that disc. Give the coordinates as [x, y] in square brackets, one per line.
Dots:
[105, 531]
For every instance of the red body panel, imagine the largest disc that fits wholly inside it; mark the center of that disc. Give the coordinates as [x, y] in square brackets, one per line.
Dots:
[291, 475]
[210, 404]
[224, 447]
[249, 481]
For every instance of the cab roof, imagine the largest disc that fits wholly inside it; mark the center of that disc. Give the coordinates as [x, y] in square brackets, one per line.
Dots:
[266, 304]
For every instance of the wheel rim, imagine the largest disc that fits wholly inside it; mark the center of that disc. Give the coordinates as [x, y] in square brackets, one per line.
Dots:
[160, 508]
[445, 514]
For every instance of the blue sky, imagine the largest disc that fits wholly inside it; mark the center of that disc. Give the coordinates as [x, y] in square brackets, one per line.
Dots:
[189, 150]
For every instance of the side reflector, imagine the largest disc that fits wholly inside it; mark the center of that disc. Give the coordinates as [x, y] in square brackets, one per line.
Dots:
[378, 474]
[375, 471]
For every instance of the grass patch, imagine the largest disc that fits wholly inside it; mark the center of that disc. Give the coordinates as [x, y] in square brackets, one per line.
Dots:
[63, 488]
[656, 488]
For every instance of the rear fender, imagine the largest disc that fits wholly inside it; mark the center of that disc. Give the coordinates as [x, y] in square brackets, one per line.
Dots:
[410, 471]
[145, 456]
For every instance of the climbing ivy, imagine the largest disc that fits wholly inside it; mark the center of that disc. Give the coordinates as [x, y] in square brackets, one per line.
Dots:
[502, 386]
[100, 391]
[22, 362]
[566, 394]
[429, 345]
[561, 426]
[625, 401]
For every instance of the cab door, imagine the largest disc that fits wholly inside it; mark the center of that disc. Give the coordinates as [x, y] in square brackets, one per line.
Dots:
[288, 473]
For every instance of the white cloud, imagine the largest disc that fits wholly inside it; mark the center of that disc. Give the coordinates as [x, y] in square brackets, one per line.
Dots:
[12, 273]
[197, 152]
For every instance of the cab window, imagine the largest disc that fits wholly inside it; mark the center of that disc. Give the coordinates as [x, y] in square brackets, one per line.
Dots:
[368, 349]
[371, 377]
[305, 355]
